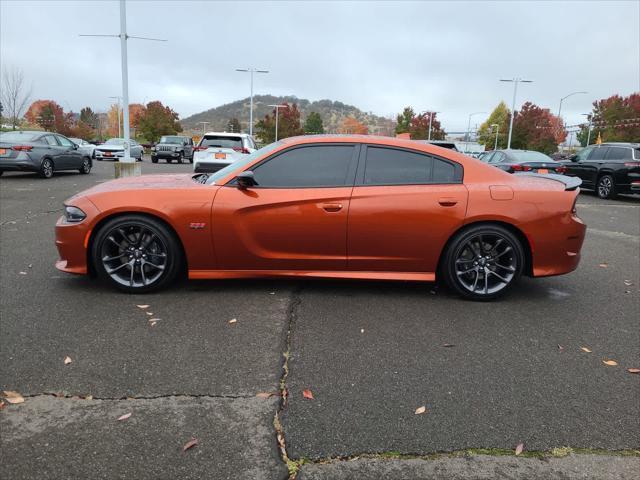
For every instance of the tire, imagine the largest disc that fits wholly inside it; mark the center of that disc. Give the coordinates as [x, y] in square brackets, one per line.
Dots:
[606, 187]
[169, 160]
[1, 172]
[86, 166]
[488, 256]
[181, 158]
[154, 159]
[46, 168]
[124, 248]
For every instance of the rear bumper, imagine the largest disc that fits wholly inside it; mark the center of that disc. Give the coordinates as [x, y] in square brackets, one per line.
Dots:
[208, 167]
[22, 163]
[558, 251]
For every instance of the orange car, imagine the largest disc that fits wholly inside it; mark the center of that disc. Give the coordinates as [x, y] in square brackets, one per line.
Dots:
[328, 206]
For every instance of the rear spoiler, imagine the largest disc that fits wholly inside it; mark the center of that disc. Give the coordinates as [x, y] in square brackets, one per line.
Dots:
[570, 183]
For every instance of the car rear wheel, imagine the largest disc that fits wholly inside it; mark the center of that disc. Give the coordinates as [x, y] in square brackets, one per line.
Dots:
[181, 158]
[606, 187]
[137, 254]
[154, 159]
[483, 262]
[86, 166]
[46, 168]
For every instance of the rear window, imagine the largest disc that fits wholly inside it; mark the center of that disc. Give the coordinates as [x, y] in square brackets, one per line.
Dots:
[221, 141]
[529, 156]
[619, 153]
[598, 153]
[171, 139]
[18, 137]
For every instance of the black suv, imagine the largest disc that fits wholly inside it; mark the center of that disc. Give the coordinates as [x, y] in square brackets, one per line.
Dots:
[609, 168]
[173, 147]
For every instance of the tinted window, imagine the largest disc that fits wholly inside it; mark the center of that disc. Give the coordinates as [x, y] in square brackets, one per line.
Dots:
[65, 142]
[487, 157]
[498, 157]
[50, 139]
[598, 153]
[317, 166]
[443, 172]
[619, 153]
[386, 166]
[583, 154]
[221, 141]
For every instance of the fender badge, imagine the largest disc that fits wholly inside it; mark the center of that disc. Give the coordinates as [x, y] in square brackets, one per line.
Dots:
[197, 225]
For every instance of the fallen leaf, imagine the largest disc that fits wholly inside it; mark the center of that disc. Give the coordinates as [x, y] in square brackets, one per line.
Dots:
[233, 320]
[264, 394]
[611, 363]
[421, 410]
[124, 417]
[30, 265]
[448, 345]
[190, 444]
[560, 347]
[67, 360]
[585, 349]
[2, 404]
[23, 273]
[153, 320]
[272, 293]
[149, 313]
[142, 306]
[88, 397]
[633, 370]
[628, 283]
[362, 330]
[519, 448]
[307, 394]
[13, 397]
[603, 265]
[153, 324]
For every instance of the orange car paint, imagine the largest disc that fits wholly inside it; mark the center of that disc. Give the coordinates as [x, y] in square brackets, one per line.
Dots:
[369, 232]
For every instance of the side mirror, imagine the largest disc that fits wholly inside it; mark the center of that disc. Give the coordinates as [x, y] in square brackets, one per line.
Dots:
[245, 180]
[573, 158]
[75, 146]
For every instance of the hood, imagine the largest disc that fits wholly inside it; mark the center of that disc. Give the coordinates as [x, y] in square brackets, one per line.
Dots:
[110, 148]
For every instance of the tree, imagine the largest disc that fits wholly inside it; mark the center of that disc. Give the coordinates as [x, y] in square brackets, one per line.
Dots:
[487, 132]
[615, 119]
[136, 112]
[83, 130]
[288, 124]
[536, 128]
[50, 116]
[158, 120]
[88, 117]
[313, 124]
[15, 95]
[114, 121]
[352, 126]
[234, 125]
[418, 125]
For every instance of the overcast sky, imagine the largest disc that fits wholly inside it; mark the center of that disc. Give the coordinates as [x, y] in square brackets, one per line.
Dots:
[378, 56]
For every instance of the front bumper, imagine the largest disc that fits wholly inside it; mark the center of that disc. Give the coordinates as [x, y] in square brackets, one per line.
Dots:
[111, 156]
[72, 240]
[165, 155]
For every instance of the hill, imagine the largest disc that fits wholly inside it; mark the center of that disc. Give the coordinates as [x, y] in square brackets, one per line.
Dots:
[332, 113]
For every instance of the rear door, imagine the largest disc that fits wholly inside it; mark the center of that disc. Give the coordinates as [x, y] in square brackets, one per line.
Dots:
[404, 207]
[295, 218]
[590, 167]
[56, 152]
[72, 157]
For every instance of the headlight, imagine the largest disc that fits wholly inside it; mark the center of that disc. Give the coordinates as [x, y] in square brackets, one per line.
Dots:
[153, 149]
[73, 214]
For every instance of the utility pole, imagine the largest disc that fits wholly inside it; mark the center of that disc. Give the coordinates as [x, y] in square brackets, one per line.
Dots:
[590, 117]
[131, 169]
[118, 106]
[513, 104]
[203, 126]
[468, 134]
[495, 147]
[251, 71]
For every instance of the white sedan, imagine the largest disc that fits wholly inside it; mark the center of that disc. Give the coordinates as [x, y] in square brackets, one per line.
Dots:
[113, 149]
[84, 146]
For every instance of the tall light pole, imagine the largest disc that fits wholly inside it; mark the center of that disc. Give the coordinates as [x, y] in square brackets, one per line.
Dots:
[564, 98]
[203, 126]
[469, 128]
[590, 117]
[513, 104]
[125, 88]
[431, 114]
[497, 125]
[277, 107]
[251, 71]
[119, 99]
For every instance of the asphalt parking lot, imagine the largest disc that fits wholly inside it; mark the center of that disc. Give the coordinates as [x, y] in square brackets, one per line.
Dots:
[490, 375]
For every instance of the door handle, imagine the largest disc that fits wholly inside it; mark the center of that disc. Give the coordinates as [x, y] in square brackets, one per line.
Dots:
[447, 201]
[332, 207]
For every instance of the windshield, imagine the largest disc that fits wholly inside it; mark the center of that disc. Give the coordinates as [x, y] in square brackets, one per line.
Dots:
[18, 137]
[247, 159]
[115, 141]
[171, 139]
[529, 156]
[221, 141]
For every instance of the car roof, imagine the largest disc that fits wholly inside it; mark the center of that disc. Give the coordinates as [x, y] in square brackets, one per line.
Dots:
[27, 132]
[226, 134]
[618, 144]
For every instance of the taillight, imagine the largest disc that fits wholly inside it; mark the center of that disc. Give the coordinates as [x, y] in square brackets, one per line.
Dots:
[199, 149]
[23, 148]
[520, 168]
[241, 149]
[632, 164]
[561, 169]
[573, 207]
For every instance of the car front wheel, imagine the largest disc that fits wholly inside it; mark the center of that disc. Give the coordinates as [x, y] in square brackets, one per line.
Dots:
[86, 166]
[483, 262]
[137, 254]
[606, 187]
[46, 168]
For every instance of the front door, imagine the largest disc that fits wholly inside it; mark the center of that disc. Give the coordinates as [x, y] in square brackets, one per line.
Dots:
[72, 156]
[404, 207]
[295, 218]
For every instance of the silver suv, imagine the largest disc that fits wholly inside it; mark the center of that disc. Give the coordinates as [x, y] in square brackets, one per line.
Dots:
[173, 147]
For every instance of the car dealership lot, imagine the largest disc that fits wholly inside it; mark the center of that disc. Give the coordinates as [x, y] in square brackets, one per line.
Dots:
[370, 352]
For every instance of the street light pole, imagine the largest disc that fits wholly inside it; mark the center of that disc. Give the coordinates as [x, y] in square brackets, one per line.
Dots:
[590, 117]
[495, 147]
[118, 107]
[564, 98]
[468, 134]
[513, 104]
[203, 126]
[277, 107]
[251, 71]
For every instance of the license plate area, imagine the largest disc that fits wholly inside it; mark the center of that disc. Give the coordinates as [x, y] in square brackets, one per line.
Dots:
[543, 170]
[220, 156]
[3, 151]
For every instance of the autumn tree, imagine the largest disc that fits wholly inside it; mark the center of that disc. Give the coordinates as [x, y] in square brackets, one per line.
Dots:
[487, 132]
[313, 124]
[352, 126]
[114, 121]
[615, 119]
[536, 128]
[403, 121]
[48, 115]
[158, 120]
[14, 95]
[288, 124]
[418, 125]
[234, 125]
[136, 112]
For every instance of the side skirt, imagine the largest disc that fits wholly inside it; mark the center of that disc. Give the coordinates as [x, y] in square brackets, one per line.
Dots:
[220, 274]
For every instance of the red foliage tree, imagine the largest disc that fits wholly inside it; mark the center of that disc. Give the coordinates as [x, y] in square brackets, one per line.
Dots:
[353, 126]
[50, 116]
[536, 128]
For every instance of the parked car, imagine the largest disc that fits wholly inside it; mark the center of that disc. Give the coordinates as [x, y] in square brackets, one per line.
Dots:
[84, 146]
[523, 161]
[113, 149]
[41, 152]
[216, 150]
[441, 143]
[609, 168]
[328, 206]
[173, 147]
